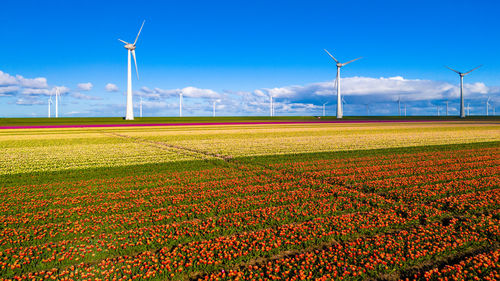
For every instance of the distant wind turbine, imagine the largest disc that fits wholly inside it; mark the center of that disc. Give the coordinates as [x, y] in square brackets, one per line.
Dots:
[337, 79]
[213, 108]
[57, 102]
[49, 103]
[131, 50]
[468, 109]
[399, 105]
[446, 108]
[140, 108]
[324, 108]
[405, 109]
[271, 106]
[180, 104]
[462, 109]
[488, 105]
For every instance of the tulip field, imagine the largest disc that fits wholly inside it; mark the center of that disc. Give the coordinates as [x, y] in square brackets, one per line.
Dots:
[406, 201]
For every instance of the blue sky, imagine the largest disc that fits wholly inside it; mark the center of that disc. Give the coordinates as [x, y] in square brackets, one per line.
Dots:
[240, 52]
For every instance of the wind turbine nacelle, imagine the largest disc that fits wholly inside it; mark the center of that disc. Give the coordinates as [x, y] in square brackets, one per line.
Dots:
[339, 64]
[130, 47]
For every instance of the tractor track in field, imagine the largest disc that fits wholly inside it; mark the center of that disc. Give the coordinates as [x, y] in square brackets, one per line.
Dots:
[162, 145]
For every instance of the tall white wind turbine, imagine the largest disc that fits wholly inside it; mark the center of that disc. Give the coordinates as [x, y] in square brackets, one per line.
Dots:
[324, 108]
[462, 108]
[213, 107]
[49, 103]
[131, 50]
[337, 80]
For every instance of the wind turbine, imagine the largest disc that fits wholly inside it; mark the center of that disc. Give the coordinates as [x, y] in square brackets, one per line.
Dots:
[399, 105]
[446, 108]
[324, 108]
[405, 109]
[180, 104]
[337, 80]
[437, 108]
[49, 103]
[131, 50]
[213, 107]
[468, 109]
[462, 109]
[57, 102]
[140, 108]
[271, 108]
[488, 105]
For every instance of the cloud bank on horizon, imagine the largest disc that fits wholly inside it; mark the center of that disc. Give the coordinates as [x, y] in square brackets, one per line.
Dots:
[363, 95]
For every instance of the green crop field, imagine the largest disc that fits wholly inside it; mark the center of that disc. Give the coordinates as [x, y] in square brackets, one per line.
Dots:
[355, 201]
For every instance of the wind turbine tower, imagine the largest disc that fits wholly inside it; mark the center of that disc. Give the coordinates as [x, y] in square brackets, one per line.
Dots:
[57, 102]
[271, 106]
[337, 80]
[213, 108]
[49, 103]
[180, 104]
[462, 108]
[324, 108]
[131, 50]
[399, 105]
[488, 105]
[468, 109]
[446, 108]
[140, 108]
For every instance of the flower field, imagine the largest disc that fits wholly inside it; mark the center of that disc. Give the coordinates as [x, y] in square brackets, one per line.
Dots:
[346, 212]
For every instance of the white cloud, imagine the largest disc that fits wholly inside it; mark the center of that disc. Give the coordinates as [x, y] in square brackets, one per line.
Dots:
[29, 101]
[6, 79]
[110, 87]
[81, 96]
[379, 89]
[8, 90]
[85, 86]
[30, 91]
[39, 83]
[194, 92]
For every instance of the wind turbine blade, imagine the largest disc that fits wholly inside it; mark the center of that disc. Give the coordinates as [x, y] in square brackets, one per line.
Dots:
[458, 72]
[351, 61]
[139, 32]
[135, 61]
[331, 56]
[123, 41]
[472, 70]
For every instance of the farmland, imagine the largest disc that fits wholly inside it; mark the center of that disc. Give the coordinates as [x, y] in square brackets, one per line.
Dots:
[319, 201]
